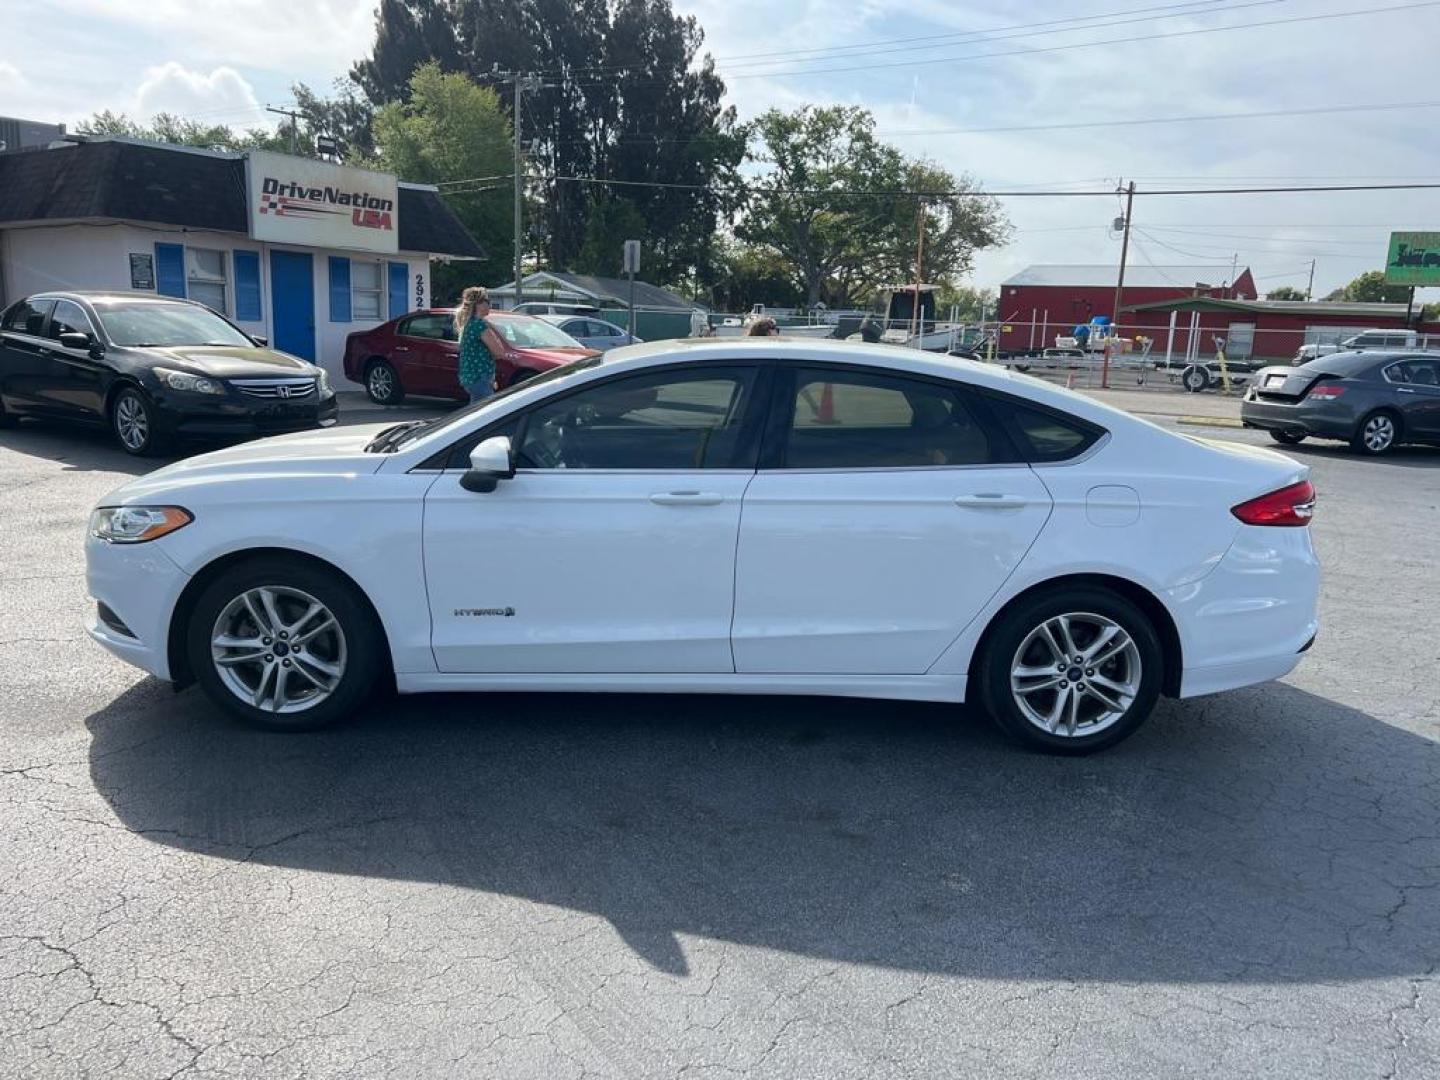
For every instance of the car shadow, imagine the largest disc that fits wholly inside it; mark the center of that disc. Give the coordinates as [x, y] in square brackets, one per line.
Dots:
[1408, 456]
[1267, 835]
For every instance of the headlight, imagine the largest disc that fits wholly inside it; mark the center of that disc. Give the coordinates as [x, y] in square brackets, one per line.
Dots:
[137, 524]
[183, 380]
[322, 380]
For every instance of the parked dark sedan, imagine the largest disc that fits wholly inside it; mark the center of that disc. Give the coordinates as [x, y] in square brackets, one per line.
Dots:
[152, 369]
[1372, 400]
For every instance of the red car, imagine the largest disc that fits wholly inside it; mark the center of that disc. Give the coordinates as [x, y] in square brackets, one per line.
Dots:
[419, 354]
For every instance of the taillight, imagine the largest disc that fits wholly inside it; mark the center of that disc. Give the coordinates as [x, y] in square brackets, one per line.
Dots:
[1293, 505]
[1328, 390]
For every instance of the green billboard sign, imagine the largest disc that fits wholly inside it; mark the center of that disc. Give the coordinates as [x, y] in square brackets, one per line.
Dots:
[1414, 259]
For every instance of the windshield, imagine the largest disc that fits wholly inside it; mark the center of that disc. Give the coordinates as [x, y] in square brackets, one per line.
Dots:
[534, 334]
[425, 427]
[149, 323]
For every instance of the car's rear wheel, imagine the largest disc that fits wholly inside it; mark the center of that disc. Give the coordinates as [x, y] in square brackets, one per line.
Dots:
[132, 419]
[382, 383]
[1375, 434]
[1195, 378]
[284, 645]
[1288, 438]
[1073, 671]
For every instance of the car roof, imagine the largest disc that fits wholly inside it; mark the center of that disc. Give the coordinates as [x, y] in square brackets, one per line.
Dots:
[107, 296]
[558, 319]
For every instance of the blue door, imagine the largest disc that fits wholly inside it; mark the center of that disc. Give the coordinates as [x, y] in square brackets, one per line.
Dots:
[399, 280]
[292, 292]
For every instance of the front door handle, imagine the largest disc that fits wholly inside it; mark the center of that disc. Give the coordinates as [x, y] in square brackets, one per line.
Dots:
[687, 498]
[1402, 390]
[991, 501]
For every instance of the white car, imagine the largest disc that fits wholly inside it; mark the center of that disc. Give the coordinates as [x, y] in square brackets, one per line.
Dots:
[744, 516]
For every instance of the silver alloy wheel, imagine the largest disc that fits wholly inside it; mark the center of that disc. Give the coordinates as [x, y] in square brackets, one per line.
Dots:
[278, 649]
[1379, 433]
[131, 423]
[1075, 674]
[382, 384]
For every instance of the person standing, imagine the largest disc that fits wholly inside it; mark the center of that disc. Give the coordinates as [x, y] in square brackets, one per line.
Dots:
[763, 327]
[479, 343]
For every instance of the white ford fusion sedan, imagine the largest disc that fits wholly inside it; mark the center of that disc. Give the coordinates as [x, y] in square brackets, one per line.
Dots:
[743, 516]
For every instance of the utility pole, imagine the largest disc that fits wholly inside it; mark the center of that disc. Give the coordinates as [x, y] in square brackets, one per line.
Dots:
[1120, 280]
[917, 324]
[294, 126]
[1310, 285]
[520, 81]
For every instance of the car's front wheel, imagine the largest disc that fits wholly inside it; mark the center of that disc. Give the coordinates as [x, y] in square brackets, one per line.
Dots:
[132, 419]
[382, 383]
[1376, 434]
[1073, 671]
[284, 645]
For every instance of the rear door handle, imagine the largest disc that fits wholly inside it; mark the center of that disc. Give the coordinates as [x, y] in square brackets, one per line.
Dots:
[991, 501]
[687, 498]
[1402, 390]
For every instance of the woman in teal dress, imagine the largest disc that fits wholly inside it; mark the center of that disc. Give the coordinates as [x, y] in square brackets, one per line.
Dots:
[479, 343]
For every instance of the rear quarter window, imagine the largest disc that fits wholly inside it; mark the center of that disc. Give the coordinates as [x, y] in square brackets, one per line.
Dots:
[1044, 435]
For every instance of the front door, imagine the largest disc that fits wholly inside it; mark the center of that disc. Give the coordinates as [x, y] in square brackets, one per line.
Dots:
[292, 291]
[79, 377]
[612, 549]
[885, 526]
[1418, 394]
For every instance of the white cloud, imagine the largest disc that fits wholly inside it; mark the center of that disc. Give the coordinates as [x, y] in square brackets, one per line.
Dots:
[222, 95]
[11, 79]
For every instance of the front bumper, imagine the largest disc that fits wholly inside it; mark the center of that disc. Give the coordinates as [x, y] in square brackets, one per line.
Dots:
[200, 416]
[1328, 419]
[140, 584]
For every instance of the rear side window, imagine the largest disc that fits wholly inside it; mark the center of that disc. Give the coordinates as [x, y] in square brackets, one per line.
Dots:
[1043, 435]
[28, 317]
[871, 420]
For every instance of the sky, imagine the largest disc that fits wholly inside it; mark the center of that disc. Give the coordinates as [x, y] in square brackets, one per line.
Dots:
[933, 72]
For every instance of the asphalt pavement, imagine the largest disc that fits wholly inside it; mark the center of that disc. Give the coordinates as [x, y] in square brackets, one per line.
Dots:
[626, 886]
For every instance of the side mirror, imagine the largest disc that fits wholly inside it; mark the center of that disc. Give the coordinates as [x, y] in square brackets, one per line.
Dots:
[261, 341]
[75, 339]
[490, 462]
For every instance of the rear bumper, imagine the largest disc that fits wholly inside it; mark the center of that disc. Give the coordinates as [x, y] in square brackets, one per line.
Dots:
[1253, 616]
[1329, 419]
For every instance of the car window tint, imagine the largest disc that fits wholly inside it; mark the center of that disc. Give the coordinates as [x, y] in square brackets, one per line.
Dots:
[1043, 435]
[863, 420]
[691, 420]
[1424, 372]
[28, 317]
[69, 318]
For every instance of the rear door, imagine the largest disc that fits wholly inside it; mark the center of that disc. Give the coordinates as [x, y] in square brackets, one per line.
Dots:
[1416, 383]
[429, 356]
[887, 512]
[25, 359]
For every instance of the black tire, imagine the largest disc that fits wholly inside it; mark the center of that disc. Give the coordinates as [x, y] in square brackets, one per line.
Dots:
[1195, 379]
[132, 422]
[362, 646]
[1003, 645]
[1370, 434]
[520, 375]
[382, 383]
[1288, 438]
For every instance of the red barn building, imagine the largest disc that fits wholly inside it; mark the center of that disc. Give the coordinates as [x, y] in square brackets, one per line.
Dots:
[1036, 305]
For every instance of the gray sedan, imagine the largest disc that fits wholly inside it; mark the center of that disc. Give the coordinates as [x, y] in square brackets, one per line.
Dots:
[1372, 400]
[591, 331]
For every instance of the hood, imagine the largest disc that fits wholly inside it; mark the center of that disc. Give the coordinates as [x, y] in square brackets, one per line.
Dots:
[228, 361]
[330, 451]
[557, 355]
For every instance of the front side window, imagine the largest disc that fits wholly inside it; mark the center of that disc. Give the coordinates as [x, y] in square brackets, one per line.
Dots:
[872, 420]
[158, 323]
[205, 277]
[69, 318]
[28, 317]
[365, 289]
[668, 420]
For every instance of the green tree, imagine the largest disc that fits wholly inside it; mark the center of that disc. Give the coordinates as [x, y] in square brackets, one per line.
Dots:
[1370, 288]
[970, 304]
[1285, 292]
[843, 208]
[623, 97]
[449, 129]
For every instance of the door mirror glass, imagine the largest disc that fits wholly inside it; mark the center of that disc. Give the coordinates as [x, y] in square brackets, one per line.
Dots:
[490, 462]
[75, 339]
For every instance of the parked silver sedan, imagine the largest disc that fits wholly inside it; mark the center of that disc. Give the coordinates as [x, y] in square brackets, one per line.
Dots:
[592, 331]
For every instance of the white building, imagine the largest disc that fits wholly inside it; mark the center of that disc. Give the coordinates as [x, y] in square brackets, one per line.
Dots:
[298, 251]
